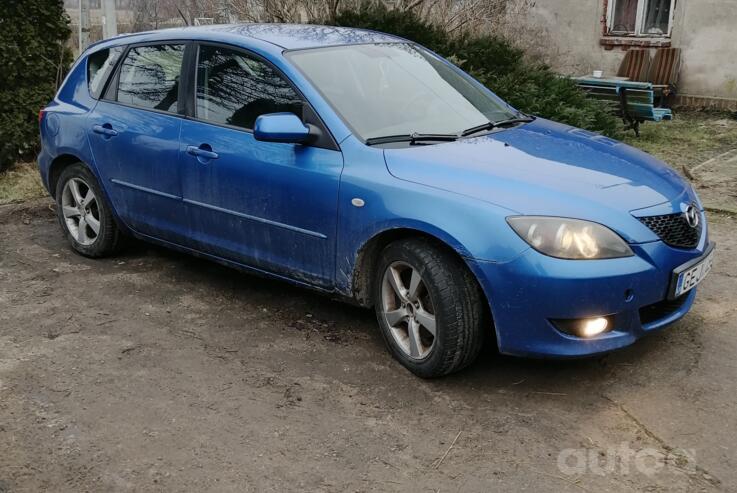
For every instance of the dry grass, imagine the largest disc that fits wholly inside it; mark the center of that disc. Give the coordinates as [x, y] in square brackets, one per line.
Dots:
[19, 183]
[690, 139]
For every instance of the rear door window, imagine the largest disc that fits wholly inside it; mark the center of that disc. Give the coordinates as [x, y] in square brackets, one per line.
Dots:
[149, 77]
[99, 67]
[235, 89]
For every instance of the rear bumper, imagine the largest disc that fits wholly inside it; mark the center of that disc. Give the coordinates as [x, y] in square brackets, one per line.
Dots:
[528, 292]
[44, 164]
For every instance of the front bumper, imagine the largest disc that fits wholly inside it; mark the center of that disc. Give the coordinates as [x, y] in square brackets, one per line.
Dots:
[526, 293]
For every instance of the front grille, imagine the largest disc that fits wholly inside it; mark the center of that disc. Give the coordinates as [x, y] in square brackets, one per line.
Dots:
[661, 309]
[674, 230]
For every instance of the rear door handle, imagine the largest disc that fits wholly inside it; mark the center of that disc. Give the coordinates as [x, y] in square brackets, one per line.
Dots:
[202, 152]
[106, 130]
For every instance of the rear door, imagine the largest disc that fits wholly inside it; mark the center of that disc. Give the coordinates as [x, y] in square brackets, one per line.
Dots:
[269, 205]
[134, 136]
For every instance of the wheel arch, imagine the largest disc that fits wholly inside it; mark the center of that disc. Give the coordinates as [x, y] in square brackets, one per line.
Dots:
[57, 167]
[368, 255]
[62, 162]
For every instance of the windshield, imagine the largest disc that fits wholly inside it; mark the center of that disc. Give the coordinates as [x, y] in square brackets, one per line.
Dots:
[396, 89]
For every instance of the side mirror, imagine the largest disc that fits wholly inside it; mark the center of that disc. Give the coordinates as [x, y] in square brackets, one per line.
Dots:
[281, 127]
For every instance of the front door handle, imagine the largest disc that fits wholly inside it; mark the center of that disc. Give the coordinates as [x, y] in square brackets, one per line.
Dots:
[204, 151]
[106, 130]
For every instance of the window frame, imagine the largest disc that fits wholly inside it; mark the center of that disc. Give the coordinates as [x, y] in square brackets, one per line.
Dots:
[639, 20]
[187, 88]
[110, 75]
[110, 93]
[247, 54]
[309, 115]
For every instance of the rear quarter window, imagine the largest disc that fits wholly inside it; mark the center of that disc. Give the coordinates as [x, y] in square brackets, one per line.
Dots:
[99, 67]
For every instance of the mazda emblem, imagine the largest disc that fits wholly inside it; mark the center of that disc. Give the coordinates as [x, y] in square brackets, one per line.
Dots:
[692, 216]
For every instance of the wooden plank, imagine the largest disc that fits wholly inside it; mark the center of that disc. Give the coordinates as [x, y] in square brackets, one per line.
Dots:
[629, 84]
[640, 97]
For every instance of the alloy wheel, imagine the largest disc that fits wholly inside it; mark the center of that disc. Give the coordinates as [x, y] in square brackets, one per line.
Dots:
[81, 211]
[408, 310]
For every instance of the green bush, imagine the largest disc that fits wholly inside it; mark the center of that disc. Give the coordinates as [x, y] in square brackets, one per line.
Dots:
[528, 86]
[33, 58]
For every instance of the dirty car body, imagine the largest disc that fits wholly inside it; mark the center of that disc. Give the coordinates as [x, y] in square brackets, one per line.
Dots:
[314, 201]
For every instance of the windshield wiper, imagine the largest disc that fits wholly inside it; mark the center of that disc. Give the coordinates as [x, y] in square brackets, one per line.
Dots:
[493, 125]
[412, 138]
[415, 138]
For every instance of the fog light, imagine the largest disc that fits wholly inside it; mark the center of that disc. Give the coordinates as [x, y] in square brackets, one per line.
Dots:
[585, 327]
[594, 326]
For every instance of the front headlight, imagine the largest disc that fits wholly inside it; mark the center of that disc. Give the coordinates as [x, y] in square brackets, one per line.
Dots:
[569, 238]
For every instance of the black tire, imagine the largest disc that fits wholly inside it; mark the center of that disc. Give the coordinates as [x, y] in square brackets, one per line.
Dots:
[107, 239]
[455, 298]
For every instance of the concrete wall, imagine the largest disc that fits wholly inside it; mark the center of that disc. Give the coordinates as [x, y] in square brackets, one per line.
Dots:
[568, 34]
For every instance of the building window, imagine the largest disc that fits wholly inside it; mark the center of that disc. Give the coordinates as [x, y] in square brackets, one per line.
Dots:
[647, 18]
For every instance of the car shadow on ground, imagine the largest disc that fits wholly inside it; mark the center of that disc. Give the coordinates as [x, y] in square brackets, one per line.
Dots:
[491, 371]
[225, 287]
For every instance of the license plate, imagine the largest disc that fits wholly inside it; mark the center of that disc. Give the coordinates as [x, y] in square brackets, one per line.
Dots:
[689, 275]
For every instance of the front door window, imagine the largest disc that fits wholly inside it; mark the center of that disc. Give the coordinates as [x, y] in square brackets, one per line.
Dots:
[234, 89]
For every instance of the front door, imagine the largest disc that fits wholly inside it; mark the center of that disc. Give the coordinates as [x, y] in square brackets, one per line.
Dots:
[268, 205]
[134, 136]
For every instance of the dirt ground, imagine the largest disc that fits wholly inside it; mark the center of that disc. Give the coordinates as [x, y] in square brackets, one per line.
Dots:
[157, 371]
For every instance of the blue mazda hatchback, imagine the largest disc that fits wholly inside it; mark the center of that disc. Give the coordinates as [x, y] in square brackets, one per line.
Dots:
[363, 165]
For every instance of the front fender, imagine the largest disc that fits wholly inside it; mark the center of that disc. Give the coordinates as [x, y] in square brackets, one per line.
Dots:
[473, 228]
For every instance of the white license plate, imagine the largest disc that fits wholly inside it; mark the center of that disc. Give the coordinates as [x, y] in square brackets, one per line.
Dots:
[690, 277]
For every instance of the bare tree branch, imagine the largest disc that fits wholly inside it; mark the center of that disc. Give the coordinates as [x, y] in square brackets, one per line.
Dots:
[456, 16]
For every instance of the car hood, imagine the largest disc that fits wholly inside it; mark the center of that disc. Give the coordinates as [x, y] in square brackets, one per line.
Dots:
[545, 168]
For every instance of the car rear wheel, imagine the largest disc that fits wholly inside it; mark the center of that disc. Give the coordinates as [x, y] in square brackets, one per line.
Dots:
[429, 308]
[83, 213]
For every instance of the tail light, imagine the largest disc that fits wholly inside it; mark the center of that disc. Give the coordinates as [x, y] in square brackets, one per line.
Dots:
[41, 114]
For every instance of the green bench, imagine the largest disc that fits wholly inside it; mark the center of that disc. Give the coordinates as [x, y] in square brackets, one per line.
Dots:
[634, 101]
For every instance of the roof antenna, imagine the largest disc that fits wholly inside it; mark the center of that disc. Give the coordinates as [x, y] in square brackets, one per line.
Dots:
[186, 22]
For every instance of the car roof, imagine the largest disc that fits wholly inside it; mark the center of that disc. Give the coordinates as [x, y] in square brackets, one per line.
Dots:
[285, 36]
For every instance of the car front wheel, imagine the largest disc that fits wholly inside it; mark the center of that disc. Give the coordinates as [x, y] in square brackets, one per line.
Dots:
[429, 308]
